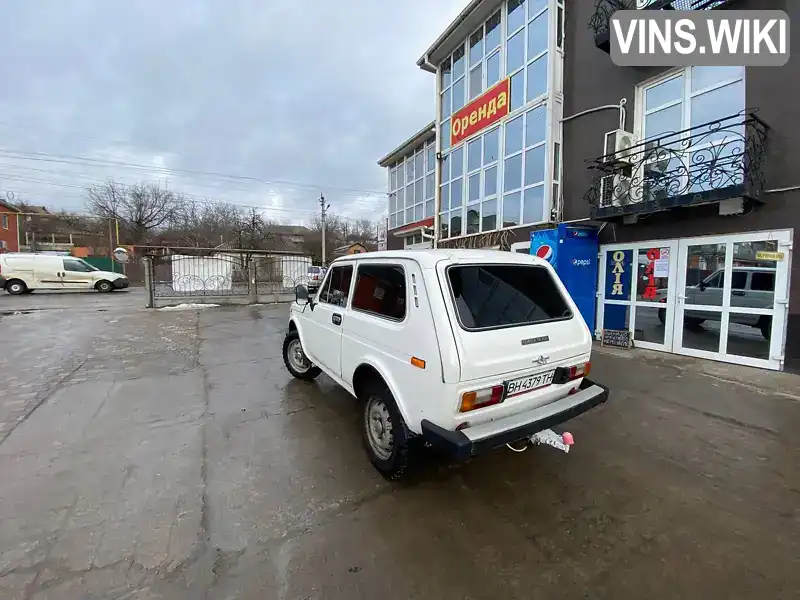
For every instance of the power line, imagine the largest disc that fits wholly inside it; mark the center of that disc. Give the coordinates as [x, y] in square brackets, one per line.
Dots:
[94, 162]
[89, 180]
[203, 200]
[171, 152]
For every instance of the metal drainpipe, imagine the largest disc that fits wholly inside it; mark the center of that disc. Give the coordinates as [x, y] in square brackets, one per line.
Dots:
[437, 175]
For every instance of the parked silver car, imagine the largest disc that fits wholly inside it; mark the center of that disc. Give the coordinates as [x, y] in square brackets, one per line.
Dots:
[751, 287]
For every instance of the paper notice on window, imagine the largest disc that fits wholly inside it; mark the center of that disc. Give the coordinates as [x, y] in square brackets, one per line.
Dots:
[661, 267]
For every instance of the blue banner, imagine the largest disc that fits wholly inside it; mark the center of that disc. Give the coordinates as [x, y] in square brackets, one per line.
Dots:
[618, 274]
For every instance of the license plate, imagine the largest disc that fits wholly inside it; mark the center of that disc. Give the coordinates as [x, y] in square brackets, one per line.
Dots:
[529, 383]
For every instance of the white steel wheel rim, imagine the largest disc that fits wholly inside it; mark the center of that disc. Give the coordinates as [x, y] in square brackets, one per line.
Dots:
[378, 423]
[15, 287]
[297, 357]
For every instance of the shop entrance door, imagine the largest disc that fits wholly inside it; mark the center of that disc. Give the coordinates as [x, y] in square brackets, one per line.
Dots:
[637, 291]
[732, 298]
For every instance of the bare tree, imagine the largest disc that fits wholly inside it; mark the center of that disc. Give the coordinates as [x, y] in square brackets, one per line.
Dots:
[140, 208]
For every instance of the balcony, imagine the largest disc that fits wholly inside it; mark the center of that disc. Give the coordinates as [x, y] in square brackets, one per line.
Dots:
[706, 164]
[603, 9]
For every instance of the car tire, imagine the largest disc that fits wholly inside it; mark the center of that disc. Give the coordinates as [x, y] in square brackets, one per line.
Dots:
[15, 287]
[104, 287]
[765, 325]
[693, 323]
[386, 437]
[298, 365]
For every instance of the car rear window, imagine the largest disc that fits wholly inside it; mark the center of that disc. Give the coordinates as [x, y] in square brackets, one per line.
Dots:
[313, 269]
[490, 296]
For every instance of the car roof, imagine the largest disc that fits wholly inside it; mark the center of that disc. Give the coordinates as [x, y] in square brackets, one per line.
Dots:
[430, 258]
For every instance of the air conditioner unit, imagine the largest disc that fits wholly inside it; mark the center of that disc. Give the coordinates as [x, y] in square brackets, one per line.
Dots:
[617, 145]
[615, 190]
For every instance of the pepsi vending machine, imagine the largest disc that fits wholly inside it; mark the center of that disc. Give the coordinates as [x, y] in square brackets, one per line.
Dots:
[572, 251]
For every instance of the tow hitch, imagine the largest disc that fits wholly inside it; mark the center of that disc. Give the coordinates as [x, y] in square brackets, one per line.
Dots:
[550, 438]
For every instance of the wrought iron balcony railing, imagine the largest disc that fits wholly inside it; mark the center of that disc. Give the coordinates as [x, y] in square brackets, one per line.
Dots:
[603, 9]
[708, 163]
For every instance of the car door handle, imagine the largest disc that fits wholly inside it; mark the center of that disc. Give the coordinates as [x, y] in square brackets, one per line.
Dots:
[738, 293]
[336, 319]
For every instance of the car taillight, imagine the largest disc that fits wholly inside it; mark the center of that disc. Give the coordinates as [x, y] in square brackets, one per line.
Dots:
[567, 374]
[579, 371]
[481, 398]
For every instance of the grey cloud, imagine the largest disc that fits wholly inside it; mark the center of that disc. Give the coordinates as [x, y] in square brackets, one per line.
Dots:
[279, 90]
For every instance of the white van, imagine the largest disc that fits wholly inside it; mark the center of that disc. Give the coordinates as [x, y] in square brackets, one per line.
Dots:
[466, 350]
[22, 273]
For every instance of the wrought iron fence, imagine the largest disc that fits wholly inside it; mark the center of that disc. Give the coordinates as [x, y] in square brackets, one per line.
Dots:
[275, 274]
[603, 10]
[195, 272]
[212, 274]
[710, 162]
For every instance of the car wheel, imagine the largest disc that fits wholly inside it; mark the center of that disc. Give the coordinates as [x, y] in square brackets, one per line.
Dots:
[386, 437]
[104, 287]
[692, 323]
[16, 287]
[295, 359]
[765, 325]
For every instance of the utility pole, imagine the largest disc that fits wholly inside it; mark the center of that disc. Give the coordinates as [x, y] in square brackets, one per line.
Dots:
[324, 209]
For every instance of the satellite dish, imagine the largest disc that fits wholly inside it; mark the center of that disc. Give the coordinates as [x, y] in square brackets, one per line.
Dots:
[121, 255]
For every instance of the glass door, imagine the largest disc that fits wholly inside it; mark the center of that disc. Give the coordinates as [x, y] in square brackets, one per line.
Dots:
[734, 298]
[636, 291]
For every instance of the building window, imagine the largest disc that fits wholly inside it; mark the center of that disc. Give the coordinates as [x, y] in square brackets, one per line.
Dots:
[413, 240]
[411, 187]
[694, 98]
[519, 51]
[5, 221]
[691, 97]
[498, 179]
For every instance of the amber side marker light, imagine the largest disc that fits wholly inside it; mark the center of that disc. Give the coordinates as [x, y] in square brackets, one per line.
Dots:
[418, 362]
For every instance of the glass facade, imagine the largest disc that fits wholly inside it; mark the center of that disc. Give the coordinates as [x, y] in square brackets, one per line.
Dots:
[412, 186]
[499, 177]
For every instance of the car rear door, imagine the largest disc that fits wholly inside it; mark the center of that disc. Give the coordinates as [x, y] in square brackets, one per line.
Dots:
[512, 320]
[48, 272]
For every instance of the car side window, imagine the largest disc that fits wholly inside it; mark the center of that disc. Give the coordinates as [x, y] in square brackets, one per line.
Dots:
[739, 280]
[762, 282]
[381, 290]
[717, 281]
[76, 266]
[336, 288]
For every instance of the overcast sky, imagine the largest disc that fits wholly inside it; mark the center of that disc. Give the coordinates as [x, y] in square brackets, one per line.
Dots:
[305, 96]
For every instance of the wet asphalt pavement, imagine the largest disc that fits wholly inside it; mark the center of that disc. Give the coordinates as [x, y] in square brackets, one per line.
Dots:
[168, 455]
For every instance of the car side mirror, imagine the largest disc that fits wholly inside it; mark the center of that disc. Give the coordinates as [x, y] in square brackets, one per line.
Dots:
[301, 294]
[703, 285]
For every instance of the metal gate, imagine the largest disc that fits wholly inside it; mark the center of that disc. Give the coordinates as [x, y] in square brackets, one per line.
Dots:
[198, 275]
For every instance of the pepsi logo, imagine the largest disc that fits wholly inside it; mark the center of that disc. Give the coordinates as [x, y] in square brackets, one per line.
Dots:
[545, 251]
[581, 262]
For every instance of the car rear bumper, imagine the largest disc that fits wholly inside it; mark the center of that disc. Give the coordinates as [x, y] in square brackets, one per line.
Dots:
[2, 282]
[487, 436]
